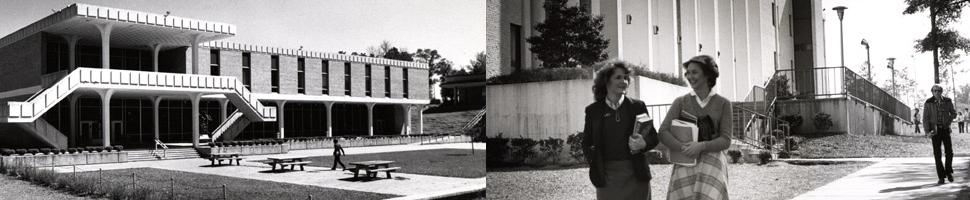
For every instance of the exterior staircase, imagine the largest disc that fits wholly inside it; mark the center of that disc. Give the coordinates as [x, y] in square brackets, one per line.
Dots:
[29, 112]
[170, 154]
[228, 130]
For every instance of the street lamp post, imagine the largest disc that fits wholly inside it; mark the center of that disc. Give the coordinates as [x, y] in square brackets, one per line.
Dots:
[868, 61]
[892, 62]
[841, 11]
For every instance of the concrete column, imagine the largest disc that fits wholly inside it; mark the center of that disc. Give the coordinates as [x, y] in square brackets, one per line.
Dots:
[407, 120]
[195, 98]
[72, 51]
[156, 100]
[73, 101]
[106, 115]
[155, 49]
[329, 119]
[195, 53]
[105, 29]
[421, 120]
[279, 118]
[370, 119]
[223, 107]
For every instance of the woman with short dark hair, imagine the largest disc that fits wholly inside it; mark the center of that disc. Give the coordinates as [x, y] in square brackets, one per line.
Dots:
[707, 179]
[617, 166]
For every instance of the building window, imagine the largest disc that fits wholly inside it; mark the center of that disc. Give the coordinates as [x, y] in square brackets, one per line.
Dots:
[367, 80]
[275, 73]
[387, 81]
[300, 77]
[214, 62]
[325, 76]
[516, 39]
[405, 84]
[246, 76]
[57, 58]
[347, 78]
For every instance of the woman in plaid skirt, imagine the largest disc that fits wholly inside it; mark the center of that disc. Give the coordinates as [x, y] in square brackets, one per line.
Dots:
[708, 178]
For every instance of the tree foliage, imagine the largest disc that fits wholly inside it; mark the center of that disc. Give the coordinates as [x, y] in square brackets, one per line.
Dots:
[478, 65]
[568, 37]
[941, 38]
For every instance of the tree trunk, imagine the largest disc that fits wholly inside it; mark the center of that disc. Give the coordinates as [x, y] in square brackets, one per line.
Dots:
[936, 49]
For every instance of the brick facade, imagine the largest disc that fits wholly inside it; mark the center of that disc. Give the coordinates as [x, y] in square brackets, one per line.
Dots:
[21, 63]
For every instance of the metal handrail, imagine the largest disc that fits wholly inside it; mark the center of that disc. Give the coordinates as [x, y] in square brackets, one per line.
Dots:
[164, 148]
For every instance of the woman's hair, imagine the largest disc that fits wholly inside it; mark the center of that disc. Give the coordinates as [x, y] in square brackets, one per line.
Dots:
[708, 66]
[602, 77]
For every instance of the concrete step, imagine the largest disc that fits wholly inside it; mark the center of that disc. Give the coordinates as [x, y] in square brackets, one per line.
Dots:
[177, 153]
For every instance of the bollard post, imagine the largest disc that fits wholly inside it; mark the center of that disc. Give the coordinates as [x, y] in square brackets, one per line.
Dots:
[75, 173]
[224, 194]
[133, 181]
[99, 178]
[173, 187]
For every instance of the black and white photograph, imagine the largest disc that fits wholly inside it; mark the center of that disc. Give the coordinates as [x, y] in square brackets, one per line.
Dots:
[727, 99]
[221, 99]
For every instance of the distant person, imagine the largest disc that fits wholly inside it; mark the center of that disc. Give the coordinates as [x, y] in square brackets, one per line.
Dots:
[617, 165]
[966, 119]
[916, 119]
[937, 115]
[961, 116]
[337, 152]
[708, 179]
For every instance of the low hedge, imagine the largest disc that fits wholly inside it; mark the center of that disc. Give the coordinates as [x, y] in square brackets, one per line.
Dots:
[558, 74]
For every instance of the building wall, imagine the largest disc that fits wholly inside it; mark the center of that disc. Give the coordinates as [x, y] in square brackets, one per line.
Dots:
[397, 81]
[493, 39]
[377, 81]
[357, 80]
[727, 83]
[260, 70]
[313, 76]
[637, 36]
[21, 63]
[336, 78]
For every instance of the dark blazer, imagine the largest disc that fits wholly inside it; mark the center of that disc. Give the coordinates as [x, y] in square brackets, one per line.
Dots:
[932, 110]
[592, 140]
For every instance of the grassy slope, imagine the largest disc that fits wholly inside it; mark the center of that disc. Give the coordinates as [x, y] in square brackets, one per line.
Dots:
[844, 146]
[13, 188]
[444, 122]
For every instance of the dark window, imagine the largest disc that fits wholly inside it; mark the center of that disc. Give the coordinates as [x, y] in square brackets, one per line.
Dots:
[347, 78]
[325, 76]
[300, 77]
[367, 80]
[387, 81]
[246, 76]
[214, 62]
[275, 73]
[516, 47]
[405, 81]
[57, 57]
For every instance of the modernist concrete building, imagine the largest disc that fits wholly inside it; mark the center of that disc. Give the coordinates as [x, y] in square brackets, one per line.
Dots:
[90, 76]
[749, 38]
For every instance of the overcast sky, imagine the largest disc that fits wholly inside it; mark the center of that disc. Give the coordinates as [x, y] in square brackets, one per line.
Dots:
[890, 34]
[456, 28]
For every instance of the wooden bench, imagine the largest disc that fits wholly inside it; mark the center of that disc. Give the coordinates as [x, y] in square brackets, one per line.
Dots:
[220, 159]
[388, 170]
[293, 165]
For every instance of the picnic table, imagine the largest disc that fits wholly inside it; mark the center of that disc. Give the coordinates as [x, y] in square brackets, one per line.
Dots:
[284, 161]
[373, 167]
[224, 156]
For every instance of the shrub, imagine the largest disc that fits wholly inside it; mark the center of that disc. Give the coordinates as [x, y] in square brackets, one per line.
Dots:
[794, 121]
[764, 157]
[20, 151]
[119, 147]
[33, 151]
[823, 122]
[45, 151]
[551, 148]
[557, 74]
[89, 149]
[791, 144]
[6, 152]
[784, 154]
[523, 148]
[63, 151]
[72, 150]
[99, 149]
[575, 142]
[735, 155]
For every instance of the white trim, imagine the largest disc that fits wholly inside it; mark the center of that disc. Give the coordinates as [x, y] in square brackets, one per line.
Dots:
[338, 99]
[312, 54]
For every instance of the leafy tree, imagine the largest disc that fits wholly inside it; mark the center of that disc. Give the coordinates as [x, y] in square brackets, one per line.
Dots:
[430, 56]
[478, 65]
[941, 40]
[398, 54]
[381, 49]
[568, 37]
[963, 94]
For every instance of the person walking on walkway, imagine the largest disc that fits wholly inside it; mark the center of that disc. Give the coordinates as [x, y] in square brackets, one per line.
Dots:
[961, 116]
[916, 118]
[617, 164]
[708, 179]
[937, 115]
[337, 152]
[966, 120]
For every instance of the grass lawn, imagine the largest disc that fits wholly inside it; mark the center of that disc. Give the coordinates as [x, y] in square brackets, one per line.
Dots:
[437, 162]
[451, 122]
[777, 180]
[203, 186]
[14, 188]
[854, 146]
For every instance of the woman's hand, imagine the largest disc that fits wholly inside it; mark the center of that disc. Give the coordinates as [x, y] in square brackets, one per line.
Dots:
[636, 143]
[693, 148]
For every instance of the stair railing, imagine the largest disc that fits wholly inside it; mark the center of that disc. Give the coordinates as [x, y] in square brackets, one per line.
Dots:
[158, 143]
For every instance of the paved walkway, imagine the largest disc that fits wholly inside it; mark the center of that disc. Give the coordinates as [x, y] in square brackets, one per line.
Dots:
[412, 186]
[898, 178]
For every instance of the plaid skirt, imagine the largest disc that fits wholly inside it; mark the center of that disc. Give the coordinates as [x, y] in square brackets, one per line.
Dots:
[705, 181]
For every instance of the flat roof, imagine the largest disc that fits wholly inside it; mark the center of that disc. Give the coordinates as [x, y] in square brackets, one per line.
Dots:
[313, 54]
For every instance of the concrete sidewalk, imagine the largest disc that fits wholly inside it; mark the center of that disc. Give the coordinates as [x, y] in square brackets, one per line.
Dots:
[411, 186]
[897, 178]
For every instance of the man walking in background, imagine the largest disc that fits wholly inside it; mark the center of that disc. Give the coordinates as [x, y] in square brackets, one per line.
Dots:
[337, 152]
[961, 116]
[916, 119]
[938, 113]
